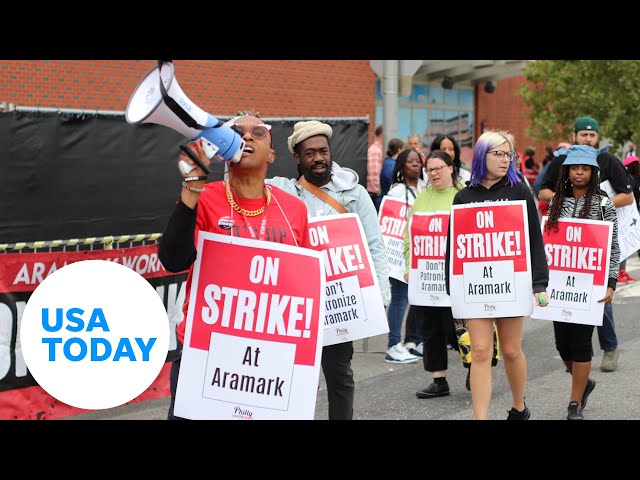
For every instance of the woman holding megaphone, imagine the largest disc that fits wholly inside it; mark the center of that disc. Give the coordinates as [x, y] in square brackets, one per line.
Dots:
[237, 207]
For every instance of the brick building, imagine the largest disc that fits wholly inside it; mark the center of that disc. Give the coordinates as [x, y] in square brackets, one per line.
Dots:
[276, 88]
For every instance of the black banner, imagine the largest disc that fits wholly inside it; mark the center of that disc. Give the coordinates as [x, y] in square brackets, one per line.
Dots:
[86, 175]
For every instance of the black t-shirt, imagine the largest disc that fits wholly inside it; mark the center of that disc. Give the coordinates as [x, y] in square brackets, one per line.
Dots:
[636, 189]
[610, 169]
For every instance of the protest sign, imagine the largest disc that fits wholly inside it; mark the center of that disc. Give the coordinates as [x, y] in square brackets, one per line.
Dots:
[253, 340]
[392, 218]
[427, 249]
[628, 224]
[490, 265]
[353, 306]
[21, 397]
[578, 258]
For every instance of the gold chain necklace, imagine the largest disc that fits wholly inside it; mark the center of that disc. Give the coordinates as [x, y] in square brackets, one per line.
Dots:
[242, 211]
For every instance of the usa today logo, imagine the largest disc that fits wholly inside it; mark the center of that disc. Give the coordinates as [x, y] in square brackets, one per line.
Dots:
[94, 334]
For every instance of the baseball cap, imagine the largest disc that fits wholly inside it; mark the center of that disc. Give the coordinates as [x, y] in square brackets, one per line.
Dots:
[585, 123]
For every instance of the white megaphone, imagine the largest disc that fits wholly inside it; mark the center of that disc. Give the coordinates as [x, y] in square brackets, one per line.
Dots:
[159, 99]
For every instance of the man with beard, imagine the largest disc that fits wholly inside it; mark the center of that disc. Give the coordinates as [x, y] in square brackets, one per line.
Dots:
[586, 132]
[340, 192]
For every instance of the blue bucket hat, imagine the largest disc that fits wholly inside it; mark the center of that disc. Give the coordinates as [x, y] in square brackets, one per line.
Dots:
[581, 155]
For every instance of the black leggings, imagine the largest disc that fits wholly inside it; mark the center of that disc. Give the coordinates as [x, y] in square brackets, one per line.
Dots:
[438, 331]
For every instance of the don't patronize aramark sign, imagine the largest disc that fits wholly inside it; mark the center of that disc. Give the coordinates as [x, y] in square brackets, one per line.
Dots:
[253, 340]
[428, 242]
[490, 271]
[578, 258]
[353, 307]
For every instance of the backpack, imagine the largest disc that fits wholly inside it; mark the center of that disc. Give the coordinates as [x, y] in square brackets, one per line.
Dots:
[464, 345]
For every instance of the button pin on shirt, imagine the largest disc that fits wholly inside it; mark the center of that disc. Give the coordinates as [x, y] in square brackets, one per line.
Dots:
[226, 223]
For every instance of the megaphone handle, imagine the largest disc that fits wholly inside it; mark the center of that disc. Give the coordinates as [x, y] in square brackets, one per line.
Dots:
[195, 158]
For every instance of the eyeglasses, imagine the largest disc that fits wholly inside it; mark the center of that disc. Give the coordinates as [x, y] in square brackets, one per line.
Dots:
[257, 131]
[435, 169]
[502, 153]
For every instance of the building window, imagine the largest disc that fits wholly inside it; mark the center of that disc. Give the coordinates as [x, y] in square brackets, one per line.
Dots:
[430, 110]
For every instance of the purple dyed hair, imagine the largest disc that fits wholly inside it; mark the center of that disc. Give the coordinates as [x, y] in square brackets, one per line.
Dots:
[486, 142]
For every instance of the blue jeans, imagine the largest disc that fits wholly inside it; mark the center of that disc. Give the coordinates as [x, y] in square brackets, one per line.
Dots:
[396, 310]
[607, 332]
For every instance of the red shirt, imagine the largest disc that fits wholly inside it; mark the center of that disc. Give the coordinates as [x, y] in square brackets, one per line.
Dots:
[213, 205]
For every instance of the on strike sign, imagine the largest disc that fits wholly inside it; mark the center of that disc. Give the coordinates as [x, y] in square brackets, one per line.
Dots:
[392, 220]
[490, 267]
[578, 258]
[427, 248]
[253, 340]
[353, 303]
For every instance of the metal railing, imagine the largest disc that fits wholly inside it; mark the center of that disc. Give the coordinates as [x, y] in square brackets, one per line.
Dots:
[88, 243]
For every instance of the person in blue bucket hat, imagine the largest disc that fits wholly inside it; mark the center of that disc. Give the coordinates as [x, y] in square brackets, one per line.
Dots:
[578, 195]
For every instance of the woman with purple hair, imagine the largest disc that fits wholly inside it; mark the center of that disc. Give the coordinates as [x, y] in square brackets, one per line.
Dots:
[493, 178]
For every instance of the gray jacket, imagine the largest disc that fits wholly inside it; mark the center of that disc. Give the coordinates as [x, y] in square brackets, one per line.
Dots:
[345, 188]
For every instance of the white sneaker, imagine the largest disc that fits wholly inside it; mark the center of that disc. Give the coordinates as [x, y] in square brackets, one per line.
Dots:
[419, 349]
[399, 354]
[410, 346]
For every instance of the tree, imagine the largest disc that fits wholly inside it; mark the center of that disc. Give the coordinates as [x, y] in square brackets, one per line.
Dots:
[559, 91]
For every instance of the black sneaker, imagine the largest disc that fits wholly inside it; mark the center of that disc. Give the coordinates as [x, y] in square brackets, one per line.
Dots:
[434, 390]
[418, 350]
[591, 384]
[516, 415]
[574, 411]
[468, 382]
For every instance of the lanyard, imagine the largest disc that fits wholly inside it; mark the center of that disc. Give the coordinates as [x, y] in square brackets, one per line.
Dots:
[263, 227]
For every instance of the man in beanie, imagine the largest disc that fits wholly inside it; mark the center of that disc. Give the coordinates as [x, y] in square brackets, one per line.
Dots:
[586, 132]
[309, 144]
